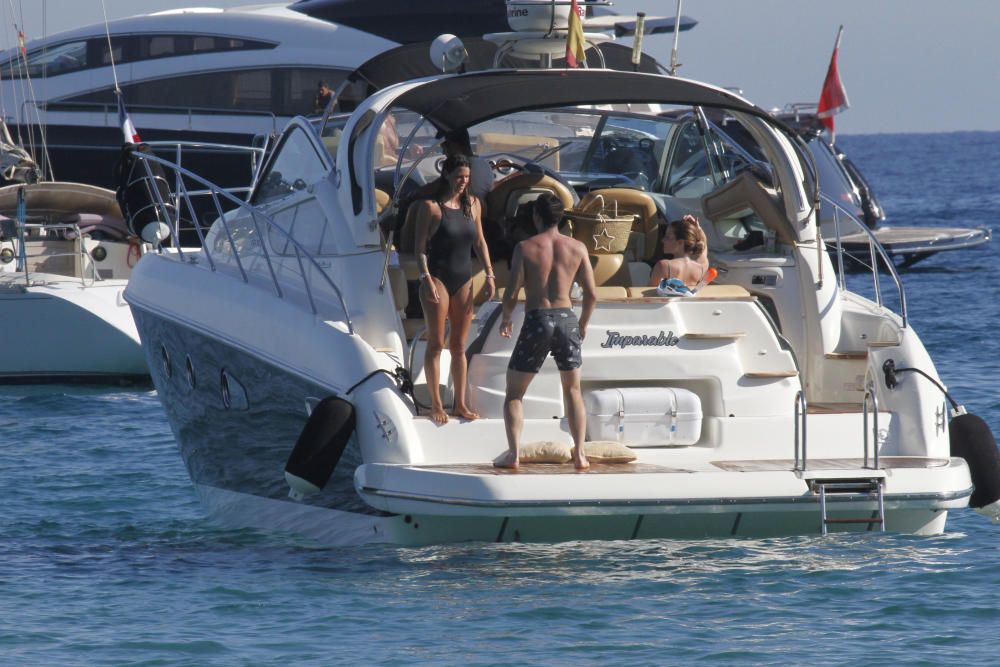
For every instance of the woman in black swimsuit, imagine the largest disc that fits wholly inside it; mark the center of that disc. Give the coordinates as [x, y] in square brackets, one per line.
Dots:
[448, 227]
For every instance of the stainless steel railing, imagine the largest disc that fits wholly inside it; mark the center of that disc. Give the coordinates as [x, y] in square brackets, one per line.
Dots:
[801, 410]
[22, 257]
[876, 253]
[871, 397]
[171, 214]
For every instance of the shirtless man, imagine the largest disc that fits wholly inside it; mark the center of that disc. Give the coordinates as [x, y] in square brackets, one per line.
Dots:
[546, 265]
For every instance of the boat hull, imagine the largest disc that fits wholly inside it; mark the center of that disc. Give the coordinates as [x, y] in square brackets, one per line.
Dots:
[66, 332]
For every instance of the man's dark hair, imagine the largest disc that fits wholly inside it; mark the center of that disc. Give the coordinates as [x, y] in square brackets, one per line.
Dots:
[459, 139]
[550, 209]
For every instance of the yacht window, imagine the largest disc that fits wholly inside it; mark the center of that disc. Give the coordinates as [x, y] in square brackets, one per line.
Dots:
[51, 60]
[630, 147]
[161, 46]
[689, 173]
[67, 57]
[835, 184]
[278, 91]
[208, 44]
[295, 165]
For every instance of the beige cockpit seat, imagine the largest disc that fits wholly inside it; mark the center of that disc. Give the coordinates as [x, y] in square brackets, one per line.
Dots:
[382, 200]
[631, 202]
[513, 192]
[508, 209]
[611, 269]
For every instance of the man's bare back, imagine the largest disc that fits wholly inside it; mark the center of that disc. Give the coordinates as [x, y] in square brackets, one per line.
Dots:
[551, 263]
[546, 266]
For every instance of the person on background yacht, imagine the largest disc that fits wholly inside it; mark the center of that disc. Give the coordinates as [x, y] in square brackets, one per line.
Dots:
[685, 247]
[448, 226]
[322, 99]
[546, 265]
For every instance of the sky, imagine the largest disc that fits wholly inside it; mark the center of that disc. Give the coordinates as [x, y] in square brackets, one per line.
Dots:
[907, 65]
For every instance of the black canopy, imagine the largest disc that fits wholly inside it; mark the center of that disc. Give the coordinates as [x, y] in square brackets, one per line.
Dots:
[460, 101]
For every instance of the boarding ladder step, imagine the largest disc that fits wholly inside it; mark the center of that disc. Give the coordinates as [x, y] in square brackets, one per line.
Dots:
[870, 486]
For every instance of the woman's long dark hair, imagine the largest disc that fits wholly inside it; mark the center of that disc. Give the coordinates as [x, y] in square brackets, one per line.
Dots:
[448, 167]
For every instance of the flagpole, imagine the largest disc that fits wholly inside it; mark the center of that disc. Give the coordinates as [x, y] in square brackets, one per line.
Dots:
[677, 34]
[640, 27]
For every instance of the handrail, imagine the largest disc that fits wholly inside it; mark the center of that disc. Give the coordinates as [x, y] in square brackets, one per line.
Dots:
[255, 215]
[873, 246]
[871, 395]
[86, 260]
[110, 110]
[801, 409]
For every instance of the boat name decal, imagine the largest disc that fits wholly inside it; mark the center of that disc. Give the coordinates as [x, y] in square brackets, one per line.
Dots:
[664, 339]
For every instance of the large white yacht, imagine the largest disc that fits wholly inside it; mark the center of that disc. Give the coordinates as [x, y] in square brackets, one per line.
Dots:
[219, 76]
[226, 76]
[783, 401]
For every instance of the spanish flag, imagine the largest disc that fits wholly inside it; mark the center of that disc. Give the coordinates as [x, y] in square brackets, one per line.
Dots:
[575, 46]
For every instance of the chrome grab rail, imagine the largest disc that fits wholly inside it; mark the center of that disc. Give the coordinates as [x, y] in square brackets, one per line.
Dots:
[86, 262]
[873, 247]
[255, 215]
[873, 397]
[801, 409]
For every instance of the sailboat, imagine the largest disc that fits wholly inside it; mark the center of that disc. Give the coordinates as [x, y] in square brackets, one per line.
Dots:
[66, 254]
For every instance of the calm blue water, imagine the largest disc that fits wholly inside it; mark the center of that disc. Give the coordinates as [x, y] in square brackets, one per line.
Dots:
[106, 559]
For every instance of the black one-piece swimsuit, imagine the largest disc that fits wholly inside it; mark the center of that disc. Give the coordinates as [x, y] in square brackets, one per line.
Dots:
[449, 251]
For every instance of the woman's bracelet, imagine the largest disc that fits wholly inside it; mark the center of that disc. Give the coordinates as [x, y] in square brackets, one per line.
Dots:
[490, 276]
[424, 275]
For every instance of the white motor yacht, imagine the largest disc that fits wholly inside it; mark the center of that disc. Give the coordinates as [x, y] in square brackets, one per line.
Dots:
[65, 258]
[782, 401]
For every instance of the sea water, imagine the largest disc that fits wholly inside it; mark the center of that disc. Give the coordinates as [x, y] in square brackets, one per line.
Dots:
[106, 557]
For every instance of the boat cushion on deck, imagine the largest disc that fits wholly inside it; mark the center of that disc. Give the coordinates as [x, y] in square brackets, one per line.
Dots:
[544, 451]
[608, 451]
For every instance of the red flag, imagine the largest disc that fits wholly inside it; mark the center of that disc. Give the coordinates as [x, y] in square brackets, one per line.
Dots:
[833, 97]
[575, 43]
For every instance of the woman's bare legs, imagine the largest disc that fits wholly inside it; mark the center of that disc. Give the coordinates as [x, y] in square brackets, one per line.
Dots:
[460, 315]
[435, 316]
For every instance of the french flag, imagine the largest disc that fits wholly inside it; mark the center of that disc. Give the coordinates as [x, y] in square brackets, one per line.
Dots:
[129, 133]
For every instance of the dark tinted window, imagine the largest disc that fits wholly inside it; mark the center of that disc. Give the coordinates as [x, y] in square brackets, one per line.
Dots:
[284, 92]
[85, 54]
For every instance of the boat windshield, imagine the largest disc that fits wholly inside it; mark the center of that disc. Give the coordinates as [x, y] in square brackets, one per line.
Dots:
[834, 182]
[294, 165]
[668, 153]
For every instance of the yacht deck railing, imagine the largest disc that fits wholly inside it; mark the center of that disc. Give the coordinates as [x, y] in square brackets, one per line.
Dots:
[87, 275]
[876, 252]
[182, 195]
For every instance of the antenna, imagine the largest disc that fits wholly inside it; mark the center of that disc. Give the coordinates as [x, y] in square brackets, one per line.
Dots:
[448, 52]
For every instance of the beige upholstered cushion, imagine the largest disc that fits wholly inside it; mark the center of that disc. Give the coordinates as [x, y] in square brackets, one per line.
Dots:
[542, 452]
[607, 451]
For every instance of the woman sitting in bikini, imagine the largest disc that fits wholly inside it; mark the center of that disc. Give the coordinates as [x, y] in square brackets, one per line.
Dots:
[686, 249]
[448, 227]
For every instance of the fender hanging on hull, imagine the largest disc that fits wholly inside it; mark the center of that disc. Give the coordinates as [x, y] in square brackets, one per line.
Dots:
[972, 440]
[319, 447]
